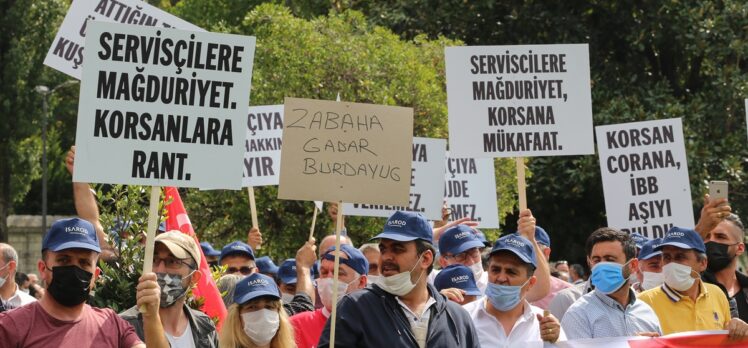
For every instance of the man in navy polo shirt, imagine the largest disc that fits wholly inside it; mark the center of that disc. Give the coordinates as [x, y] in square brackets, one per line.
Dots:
[457, 282]
[402, 310]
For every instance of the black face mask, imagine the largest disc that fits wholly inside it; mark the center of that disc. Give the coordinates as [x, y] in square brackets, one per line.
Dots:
[717, 255]
[70, 285]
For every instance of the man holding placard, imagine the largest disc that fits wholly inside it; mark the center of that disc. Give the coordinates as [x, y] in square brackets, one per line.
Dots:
[403, 310]
[352, 276]
[176, 263]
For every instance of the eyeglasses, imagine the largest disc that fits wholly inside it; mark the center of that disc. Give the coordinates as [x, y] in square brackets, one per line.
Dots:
[171, 263]
[246, 270]
[473, 254]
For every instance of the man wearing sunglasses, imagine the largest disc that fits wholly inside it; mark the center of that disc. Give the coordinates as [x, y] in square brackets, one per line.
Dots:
[175, 261]
[239, 258]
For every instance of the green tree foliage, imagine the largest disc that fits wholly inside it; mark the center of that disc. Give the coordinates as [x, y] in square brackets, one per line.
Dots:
[25, 35]
[319, 58]
[649, 60]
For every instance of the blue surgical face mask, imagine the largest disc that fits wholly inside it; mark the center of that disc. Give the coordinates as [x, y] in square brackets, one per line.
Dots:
[607, 277]
[504, 297]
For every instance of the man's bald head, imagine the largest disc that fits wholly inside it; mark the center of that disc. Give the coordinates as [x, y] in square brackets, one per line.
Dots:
[329, 241]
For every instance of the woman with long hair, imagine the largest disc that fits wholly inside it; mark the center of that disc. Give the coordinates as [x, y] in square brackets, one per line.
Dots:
[257, 318]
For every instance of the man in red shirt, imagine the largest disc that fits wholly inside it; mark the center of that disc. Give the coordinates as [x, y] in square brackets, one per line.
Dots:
[352, 273]
[61, 318]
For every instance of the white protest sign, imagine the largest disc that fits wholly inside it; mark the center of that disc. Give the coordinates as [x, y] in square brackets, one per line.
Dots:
[426, 185]
[66, 52]
[263, 147]
[519, 101]
[350, 152]
[645, 176]
[174, 116]
[470, 190]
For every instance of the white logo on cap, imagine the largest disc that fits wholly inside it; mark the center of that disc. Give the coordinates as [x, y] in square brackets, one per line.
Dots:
[460, 279]
[463, 235]
[398, 223]
[76, 230]
[238, 247]
[515, 242]
[676, 234]
[258, 282]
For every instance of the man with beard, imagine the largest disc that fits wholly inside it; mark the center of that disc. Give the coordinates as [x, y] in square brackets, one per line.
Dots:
[70, 251]
[176, 259]
[402, 310]
[724, 236]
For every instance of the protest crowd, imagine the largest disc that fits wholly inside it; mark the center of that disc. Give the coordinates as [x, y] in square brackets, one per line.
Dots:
[428, 276]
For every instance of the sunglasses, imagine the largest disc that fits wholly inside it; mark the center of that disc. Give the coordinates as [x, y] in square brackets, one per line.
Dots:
[246, 270]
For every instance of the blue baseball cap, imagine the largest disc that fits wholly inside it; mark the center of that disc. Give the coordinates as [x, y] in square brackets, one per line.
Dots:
[457, 276]
[638, 239]
[648, 249]
[287, 271]
[405, 226]
[237, 248]
[315, 270]
[481, 236]
[70, 234]
[541, 236]
[356, 259]
[518, 245]
[253, 286]
[266, 265]
[162, 227]
[458, 239]
[683, 238]
[208, 249]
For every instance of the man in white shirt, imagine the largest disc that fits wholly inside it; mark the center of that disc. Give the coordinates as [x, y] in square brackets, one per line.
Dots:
[504, 317]
[10, 295]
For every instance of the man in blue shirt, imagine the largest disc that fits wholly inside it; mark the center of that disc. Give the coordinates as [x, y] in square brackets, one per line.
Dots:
[611, 309]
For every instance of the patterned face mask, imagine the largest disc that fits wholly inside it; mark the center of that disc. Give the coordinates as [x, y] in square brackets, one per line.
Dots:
[172, 288]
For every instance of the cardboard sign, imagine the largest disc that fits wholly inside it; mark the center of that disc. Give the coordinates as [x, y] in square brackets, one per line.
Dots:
[470, 190]
[66, 53]
[350, 152]
[163, 107]
[263, 147]
[645, 176]
[425, 187]
[519, 101]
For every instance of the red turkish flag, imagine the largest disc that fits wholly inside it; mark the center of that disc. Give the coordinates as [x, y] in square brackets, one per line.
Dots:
[177, 219]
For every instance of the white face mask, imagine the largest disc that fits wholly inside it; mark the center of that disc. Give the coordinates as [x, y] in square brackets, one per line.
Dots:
[373, 279]
[651, 280]
[3, 279]
[400, 284]
[678, 276]
[324, 287]
[261, 325]
[477, 269]
[286, 298]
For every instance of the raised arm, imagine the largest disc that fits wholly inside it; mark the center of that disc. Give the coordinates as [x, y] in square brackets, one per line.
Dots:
[86, 207]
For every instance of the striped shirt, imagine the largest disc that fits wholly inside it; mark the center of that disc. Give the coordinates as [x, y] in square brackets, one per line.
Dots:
[597, 315]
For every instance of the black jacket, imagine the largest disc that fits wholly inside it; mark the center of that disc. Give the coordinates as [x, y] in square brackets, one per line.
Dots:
[203, 330]
[372, 318]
